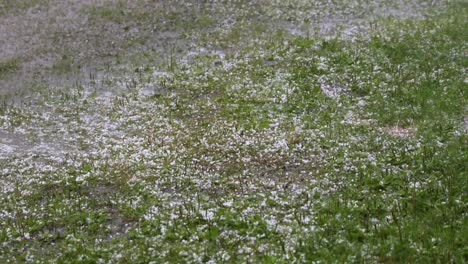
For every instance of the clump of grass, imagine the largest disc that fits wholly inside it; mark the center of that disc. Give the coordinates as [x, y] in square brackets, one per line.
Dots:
[9, 66]
[64, 64]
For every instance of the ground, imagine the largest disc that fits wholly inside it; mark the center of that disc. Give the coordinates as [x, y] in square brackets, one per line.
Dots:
[233, 131]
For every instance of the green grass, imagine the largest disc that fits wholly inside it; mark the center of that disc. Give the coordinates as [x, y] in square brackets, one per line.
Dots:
[65, 64]
[234, 151]
[144, 14]
[19, 6]
[9, 66]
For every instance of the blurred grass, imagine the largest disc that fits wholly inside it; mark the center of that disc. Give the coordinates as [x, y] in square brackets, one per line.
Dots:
[9, 66]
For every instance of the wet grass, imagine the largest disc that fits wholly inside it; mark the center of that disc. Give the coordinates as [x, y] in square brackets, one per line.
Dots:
[235, 150]
[20, 6]
[9, 66]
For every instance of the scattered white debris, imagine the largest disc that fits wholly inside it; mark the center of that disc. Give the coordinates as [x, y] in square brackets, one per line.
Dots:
[6, 148]
[333, 90]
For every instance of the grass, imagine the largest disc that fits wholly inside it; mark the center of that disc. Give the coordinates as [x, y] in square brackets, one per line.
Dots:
[64, 64]
[20, 6]
[234, 150]
[9, 66]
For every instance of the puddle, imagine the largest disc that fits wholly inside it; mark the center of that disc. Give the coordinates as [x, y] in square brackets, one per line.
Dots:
[351, 23]
[41, 37]
[10, 143]
[4, 148]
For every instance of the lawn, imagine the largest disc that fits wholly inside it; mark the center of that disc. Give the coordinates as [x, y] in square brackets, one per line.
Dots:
[235, 132]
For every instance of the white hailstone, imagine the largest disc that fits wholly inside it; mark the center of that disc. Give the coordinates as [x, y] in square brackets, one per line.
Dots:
[174, 216]
[271, 222]
[29, 258]
[208, 215]
[284, 98]
[281, 144]
[228, 203]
